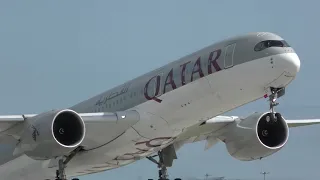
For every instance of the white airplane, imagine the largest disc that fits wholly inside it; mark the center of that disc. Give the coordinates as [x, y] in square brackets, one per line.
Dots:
[158, 112]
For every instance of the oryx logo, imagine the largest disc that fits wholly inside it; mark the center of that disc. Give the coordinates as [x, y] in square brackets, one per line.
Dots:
[35, 133]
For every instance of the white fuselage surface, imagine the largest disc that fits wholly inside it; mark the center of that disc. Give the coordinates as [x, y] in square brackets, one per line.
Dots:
[170, 99]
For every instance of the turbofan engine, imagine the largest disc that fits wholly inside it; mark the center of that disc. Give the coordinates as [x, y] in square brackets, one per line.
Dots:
[52, 134]
[256, 136]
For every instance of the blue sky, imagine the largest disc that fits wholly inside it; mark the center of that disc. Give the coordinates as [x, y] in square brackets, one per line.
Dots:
[54, 54]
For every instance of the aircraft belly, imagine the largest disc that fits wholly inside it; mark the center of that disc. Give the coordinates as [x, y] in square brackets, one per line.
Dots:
[127, 148]
[152, 126]
[24, 168]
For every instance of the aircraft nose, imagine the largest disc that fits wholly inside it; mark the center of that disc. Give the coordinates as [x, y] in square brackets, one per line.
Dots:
[291, 63]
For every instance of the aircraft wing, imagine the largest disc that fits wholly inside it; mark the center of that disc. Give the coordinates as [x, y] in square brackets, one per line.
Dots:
[11, 125]
[302, 122]
[209, 130]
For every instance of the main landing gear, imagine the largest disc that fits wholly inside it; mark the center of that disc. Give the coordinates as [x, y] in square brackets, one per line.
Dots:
[166, 157]
[60, 173]
[163, 173]
[275, 93]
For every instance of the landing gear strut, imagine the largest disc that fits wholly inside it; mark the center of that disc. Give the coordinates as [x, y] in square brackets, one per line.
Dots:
[166, 157]
[275, 93]
[163, 174]
[60, 173]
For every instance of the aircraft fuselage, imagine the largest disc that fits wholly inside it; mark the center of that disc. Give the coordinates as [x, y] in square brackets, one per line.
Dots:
[195, 88]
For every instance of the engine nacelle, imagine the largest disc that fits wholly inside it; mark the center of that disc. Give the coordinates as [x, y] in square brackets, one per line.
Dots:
[52, 134]
[256, 136]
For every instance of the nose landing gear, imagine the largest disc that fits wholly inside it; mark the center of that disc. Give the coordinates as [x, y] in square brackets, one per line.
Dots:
[275, 93]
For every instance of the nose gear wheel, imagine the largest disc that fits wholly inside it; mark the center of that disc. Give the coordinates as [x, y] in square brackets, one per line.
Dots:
[275, 93]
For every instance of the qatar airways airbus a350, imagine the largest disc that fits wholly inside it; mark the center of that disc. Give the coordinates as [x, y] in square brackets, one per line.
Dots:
[157, 113]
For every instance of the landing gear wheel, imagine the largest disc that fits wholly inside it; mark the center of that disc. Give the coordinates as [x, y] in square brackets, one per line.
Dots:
[275, 93]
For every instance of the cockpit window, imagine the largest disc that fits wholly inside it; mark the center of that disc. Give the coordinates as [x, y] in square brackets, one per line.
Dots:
[270, 43]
